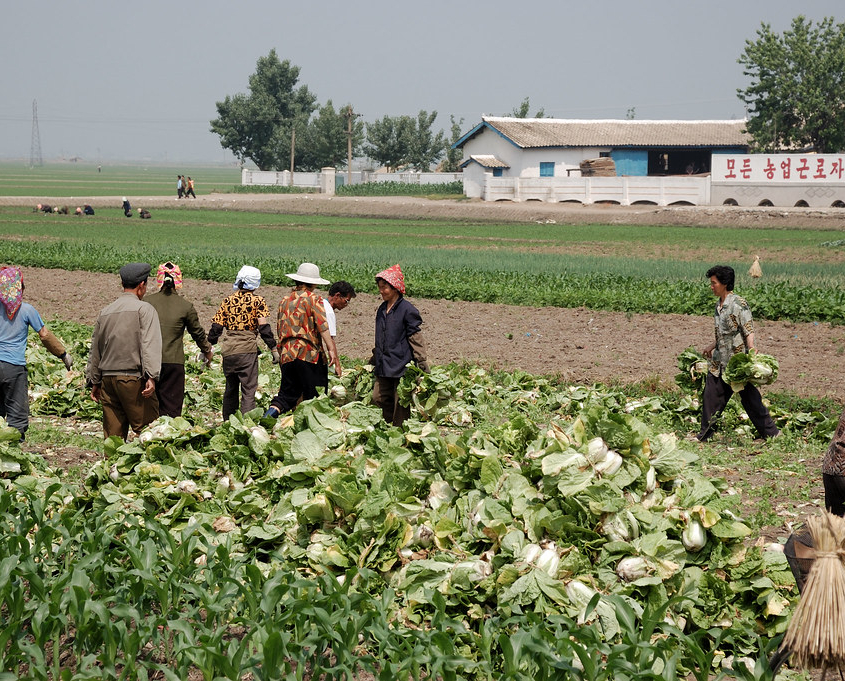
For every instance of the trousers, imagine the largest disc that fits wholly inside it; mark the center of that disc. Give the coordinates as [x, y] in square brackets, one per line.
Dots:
[716, 396]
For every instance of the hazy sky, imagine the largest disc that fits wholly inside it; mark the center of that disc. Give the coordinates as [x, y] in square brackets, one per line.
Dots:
[139, 80]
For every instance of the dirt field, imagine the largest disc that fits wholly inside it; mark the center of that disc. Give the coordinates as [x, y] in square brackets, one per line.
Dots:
[581, 345]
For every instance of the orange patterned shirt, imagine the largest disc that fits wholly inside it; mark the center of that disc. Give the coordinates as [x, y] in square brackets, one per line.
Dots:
[301, 320]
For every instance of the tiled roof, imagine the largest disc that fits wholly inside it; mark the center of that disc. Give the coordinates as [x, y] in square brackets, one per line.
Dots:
[488, 161]
[557, 132]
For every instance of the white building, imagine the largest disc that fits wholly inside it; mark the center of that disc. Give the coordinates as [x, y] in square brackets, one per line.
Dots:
[540, 158]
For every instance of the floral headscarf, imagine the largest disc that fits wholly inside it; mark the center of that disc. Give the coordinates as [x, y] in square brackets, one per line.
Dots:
[11, 290]
[394, 277]
[167, 270]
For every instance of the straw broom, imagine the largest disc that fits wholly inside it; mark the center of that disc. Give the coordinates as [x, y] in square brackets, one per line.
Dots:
[816, 633]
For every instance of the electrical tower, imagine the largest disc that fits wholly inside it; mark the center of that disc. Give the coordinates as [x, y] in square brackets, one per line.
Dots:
[35, 148]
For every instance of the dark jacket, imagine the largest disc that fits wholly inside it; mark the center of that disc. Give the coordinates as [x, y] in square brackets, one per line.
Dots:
[393, 349]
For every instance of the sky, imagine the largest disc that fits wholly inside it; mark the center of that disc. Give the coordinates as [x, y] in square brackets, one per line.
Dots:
[139, 81]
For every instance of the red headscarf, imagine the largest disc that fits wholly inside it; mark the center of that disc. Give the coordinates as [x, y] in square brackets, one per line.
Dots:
[394, 277]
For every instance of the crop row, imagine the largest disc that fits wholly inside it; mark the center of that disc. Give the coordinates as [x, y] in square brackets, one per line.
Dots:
[599, 290]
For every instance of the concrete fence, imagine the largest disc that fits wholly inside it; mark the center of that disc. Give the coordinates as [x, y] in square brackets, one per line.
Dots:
[284, 178]
[625, 191]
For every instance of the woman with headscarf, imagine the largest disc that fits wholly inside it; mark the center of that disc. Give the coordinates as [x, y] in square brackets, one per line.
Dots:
[399, 341]
[244, 316]
[16, 318]
[175, 315]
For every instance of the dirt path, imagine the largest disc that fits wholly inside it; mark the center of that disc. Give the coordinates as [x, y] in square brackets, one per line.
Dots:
[581, 345]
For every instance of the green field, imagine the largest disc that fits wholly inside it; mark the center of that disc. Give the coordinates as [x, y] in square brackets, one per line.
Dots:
[83, 179]
[612, 267]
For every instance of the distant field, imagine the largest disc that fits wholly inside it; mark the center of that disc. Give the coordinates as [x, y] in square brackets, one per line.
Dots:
[612, 267]
[82, 179]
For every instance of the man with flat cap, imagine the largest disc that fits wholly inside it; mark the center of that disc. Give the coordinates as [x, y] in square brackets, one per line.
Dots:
[125, 358]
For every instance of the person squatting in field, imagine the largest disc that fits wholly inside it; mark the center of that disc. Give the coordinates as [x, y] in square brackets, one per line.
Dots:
[734, 333]
[243, 316]
[398, 341]
[16, 318]
[305, 345]
[125, 359]
[175, 316]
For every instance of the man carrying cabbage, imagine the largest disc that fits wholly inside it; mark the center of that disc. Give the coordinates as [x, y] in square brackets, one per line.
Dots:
[734, 335]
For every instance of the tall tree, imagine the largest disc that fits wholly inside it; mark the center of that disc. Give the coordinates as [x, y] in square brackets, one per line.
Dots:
[797, 94]
[389, 140]
[258, 125]
[325, 140]
[522, 110]
[452, 161]
[426, 146]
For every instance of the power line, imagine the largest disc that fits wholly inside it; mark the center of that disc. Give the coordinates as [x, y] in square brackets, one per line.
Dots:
[35, 159]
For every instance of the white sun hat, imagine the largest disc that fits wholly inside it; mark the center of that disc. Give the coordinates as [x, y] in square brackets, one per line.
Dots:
[308, 273]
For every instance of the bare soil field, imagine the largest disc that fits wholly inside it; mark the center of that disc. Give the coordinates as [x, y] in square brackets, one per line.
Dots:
[581, 345]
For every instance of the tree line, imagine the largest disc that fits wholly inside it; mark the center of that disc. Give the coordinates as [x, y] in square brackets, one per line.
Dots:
[795, 101]
[279, 125]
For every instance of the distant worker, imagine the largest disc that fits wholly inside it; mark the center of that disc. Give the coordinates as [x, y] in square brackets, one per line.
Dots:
[125, 358]
[180, 187]
[62, 210]
[44, 208]
[144, 214]
[127, 208]
[189, 191]
[84, 210]
[16, 318]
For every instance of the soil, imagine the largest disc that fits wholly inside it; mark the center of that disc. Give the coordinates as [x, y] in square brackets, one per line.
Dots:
[581, 345]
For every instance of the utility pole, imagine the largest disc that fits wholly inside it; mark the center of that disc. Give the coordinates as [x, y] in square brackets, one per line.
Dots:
[292, 151]
[35, 148]
[349, 117]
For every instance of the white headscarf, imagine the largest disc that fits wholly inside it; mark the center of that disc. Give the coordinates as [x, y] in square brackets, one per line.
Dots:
[250, 276]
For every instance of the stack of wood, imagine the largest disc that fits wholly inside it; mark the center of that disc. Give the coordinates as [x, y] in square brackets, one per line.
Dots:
[598, 167]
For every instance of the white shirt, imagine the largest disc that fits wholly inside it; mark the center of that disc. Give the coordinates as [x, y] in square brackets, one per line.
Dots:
[330, 317]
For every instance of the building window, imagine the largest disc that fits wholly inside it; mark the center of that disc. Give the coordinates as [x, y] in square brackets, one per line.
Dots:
[497, 172]
[604, 154]
[547, 169]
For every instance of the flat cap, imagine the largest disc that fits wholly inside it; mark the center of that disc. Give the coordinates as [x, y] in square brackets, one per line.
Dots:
[134, 273]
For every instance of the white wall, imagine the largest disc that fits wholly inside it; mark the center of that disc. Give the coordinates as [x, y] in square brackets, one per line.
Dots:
[526, 162]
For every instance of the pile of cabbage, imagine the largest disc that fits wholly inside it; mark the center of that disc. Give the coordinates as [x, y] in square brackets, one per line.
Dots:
[482, 505]
[752, 368]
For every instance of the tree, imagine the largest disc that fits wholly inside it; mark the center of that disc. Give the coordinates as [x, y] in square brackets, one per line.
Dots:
[452, 162]
[796, 97]
[258, 125]
[389, 140]
[324, 142]
[400, 141]
[426, 148]
[522, 110]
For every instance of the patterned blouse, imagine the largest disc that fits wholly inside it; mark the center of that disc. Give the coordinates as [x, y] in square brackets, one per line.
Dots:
[302, 318]
[241, 311]
[733, 326]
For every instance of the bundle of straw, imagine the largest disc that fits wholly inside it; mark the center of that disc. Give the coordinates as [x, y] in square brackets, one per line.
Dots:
[816, 633]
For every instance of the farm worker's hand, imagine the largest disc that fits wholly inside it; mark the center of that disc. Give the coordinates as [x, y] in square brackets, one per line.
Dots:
[208, 355]
[68, 360]
[275, 354]
[708, 351]
[95, 393]
[150, 388]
